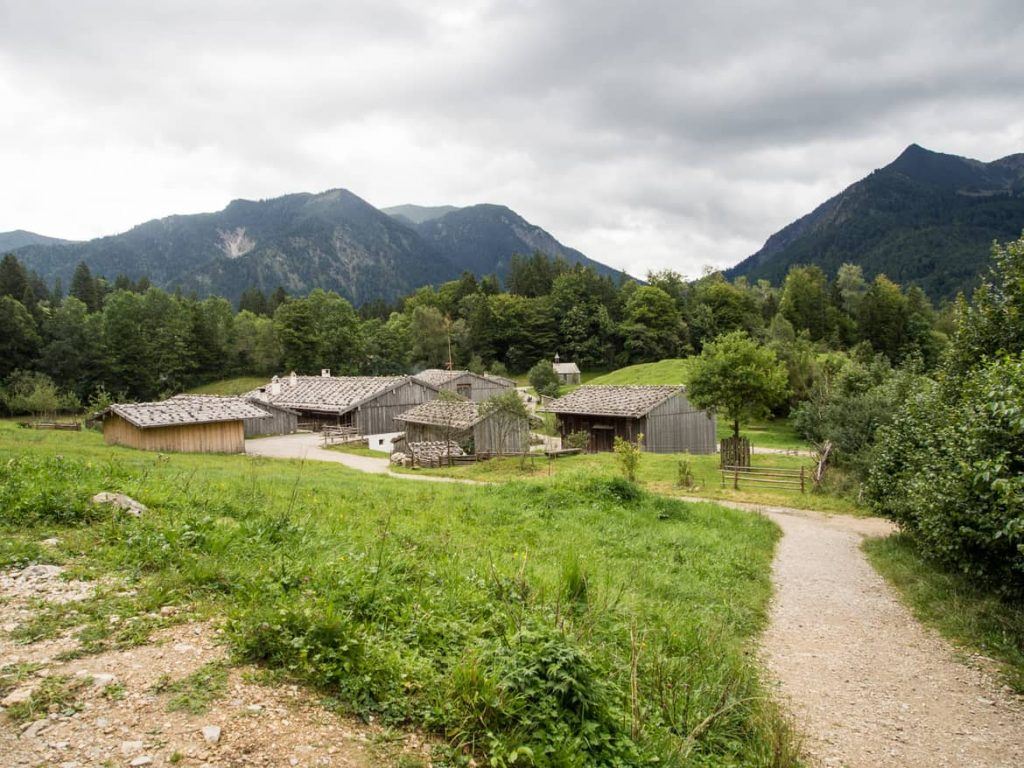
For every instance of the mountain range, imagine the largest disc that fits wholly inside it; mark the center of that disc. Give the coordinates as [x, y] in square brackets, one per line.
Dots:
[926, 218]
[332, 240]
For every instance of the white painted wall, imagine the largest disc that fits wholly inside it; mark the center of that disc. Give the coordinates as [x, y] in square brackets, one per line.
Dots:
[381, 442]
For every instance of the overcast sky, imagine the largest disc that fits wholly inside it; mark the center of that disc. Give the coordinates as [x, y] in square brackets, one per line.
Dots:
[646, 134]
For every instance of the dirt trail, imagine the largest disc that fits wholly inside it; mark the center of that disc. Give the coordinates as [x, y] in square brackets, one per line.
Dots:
[868, 685]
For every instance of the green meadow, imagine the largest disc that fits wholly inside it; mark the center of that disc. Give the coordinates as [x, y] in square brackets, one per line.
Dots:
[577, 621]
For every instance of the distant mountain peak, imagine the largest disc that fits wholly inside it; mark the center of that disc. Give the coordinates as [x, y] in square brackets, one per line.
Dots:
[927, 218]
[332, 239]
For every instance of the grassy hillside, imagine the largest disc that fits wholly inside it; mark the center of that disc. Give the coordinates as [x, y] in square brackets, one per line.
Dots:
[236, 386]
[505, 620]
[671, 371]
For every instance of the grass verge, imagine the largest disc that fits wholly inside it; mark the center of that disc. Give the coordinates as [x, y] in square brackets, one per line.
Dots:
[951, 603]
[577, 622]
[236, 386]
[657, 472]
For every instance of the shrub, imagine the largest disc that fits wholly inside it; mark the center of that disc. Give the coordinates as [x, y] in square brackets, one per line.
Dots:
[627, 453]
[579, 440]
[684, 474]
[950, 471]
[544, 379]
[35, 393]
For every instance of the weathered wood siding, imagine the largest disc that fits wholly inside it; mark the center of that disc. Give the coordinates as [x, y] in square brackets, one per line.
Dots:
[221, 437]
[602, 429]
[377, 416]
[281, 422]
[489, 437]
[476, 388]
[485, 437]
[676, 426]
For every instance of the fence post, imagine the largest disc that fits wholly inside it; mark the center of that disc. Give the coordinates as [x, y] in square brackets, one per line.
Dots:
[736, 478]
[802, 479]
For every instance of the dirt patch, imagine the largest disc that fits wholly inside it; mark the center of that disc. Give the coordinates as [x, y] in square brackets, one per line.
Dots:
[172, 701]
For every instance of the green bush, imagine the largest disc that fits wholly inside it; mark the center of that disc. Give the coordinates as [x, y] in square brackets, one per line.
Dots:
[543, 379]
[27, 392]
[628, 453]
[950, 471]
[579, 440]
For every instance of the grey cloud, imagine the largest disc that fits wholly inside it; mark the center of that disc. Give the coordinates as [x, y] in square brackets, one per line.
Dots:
[648, 134]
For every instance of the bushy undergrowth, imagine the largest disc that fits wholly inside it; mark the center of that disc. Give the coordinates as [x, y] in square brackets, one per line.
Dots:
[580, 623]
[950, 471]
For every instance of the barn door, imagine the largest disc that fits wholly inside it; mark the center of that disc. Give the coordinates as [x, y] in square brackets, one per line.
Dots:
[602, 438]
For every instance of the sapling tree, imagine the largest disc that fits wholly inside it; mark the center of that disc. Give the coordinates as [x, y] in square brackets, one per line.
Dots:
[739, 377]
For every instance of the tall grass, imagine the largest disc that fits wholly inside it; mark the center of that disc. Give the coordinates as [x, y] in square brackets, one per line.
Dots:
[577, 623]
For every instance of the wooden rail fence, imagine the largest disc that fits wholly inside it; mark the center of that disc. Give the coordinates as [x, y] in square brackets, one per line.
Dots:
[783, 479]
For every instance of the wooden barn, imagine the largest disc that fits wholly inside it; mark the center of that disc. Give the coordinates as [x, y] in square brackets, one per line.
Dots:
[181, 425]
[472, 386]
[662, 414]
[463, 422]
[277, 420]
[369, 404]
[567, 373]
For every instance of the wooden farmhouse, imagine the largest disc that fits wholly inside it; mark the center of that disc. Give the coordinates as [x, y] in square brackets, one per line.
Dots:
[662, 414]
[567, 373]
[467, 424]
[472, 386]
[369, 404]
[277, 420]
[183, 425]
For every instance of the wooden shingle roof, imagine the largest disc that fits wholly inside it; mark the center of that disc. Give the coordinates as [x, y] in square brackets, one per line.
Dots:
[330, 394]
[187, 409]
[564, 368]
[603, 400]
[456, 414]
[439, 376]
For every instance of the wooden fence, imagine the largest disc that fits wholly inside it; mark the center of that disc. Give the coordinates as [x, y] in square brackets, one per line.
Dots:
[769, 477]
[75, 426]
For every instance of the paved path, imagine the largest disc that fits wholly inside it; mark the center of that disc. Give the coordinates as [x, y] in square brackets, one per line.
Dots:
[309, 446]
[869, 686]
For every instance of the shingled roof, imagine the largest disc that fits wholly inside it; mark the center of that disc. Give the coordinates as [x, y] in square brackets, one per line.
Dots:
[329, 394]
[439, 376]
[564, 368]
[187, 409]
[456, 414]
[603, 400]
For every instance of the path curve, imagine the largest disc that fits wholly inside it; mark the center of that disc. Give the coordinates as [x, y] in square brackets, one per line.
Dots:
[869, 686]
[308, 446]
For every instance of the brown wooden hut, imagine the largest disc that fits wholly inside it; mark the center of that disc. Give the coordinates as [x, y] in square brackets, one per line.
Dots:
[472, 386]
[662, 414]
[369, 404]
[465, 423]
[184, 425]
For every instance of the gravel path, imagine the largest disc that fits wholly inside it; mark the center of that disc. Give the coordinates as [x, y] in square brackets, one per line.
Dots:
[868, 685]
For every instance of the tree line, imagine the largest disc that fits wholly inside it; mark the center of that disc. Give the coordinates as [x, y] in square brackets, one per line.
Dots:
[130, 339]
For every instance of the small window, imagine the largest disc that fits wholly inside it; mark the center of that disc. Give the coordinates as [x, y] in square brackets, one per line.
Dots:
[465, 390]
